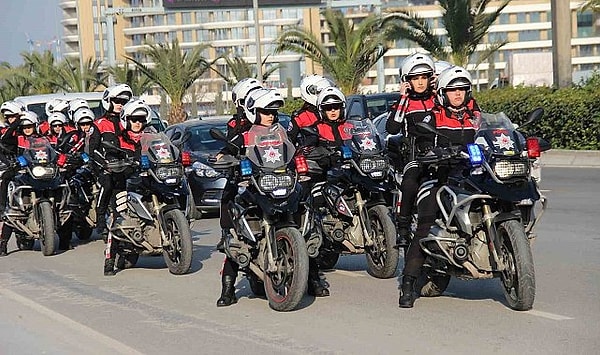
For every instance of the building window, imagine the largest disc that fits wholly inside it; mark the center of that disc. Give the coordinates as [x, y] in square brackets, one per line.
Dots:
[585, 23]
[535, 17]
[159, 20]
[186, 18]
[586, 51]
[504, 19]
[187, 36]
[530, 35]
[171, 20]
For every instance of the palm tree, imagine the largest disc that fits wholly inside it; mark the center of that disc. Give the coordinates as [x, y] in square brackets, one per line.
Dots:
[466, 23]
[41, 71]
[70, 77]
[238, 68]
[356, 47]
[593, 5]
[137, 81]
[13, 82]
[174, 71]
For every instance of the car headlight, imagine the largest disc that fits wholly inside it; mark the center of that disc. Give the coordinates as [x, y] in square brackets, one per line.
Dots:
[203, 170]
[168, 172]
[272, 182]
[506, 169]
[42, 172]
[377, 164]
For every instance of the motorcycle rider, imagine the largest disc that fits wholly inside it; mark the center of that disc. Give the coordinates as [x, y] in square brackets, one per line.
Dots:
[54, 105]
[235, 127]
[58, 128]
[12, 111]
[414, 105]
[28, 127]
[113, 100]
[134, 118]
[260, 108]
[456, 123]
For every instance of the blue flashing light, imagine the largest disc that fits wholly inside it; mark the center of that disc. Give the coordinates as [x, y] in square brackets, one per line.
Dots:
[246, 167]
[145, 162]
[475, 154]
[346, 152]
[85, 157]
[22, 161]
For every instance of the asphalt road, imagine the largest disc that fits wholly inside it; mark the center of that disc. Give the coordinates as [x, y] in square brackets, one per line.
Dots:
[64, 305]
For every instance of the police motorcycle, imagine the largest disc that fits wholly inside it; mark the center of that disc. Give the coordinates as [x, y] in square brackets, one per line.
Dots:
[37, 196]
[481, 233]
[266, 242]
[149, 218]
[349, 210]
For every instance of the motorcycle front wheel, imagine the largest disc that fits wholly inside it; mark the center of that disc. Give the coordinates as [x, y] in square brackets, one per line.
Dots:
[382, 257]
[518, 278]
[47, 230]
[286, 285]
[178, 250]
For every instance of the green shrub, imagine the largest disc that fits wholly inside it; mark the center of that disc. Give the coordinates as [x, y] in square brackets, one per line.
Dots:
[571, 116]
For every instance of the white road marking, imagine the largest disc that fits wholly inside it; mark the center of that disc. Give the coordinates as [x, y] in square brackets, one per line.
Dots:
[347, 273]
[547, 315]
[108, 341]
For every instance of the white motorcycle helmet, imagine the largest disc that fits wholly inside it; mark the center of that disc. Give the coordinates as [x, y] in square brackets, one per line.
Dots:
[266, 99]
[12, 107]
[416, 64]
[311, 86]
[75, 105]
[440, 66]
[57, 118]
[242, 89]
[331, 96]
[135, 108]
[451, 78]
[121, 91]
[29, 118]
[56, 105]
[83, 115]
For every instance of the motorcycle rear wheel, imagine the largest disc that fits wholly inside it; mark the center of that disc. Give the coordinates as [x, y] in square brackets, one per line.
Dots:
[518, 279]
[382, 257]
[47, 229]
[178, 255]
[287, 285]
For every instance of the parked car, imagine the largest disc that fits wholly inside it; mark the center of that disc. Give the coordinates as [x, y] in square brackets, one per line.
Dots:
[37, 104]
[371, 105]
[193, 136]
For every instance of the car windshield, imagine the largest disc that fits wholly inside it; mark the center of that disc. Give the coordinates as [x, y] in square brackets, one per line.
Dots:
[200, 139]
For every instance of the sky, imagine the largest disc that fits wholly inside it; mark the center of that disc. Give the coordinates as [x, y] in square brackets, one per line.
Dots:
[38, 19]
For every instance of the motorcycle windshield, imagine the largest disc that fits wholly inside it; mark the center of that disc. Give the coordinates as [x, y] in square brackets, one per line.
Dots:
[158, 148]
[39, 151]
[269, 147]
[496, 134]
[365, 139]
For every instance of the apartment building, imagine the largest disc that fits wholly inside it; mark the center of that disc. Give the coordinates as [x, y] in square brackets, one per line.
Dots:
[525, 24]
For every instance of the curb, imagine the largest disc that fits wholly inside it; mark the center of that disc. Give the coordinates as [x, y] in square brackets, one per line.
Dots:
[571, 158]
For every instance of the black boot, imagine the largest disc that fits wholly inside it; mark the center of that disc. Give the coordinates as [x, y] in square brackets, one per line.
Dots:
[227, 292]
[315, 285]
[109, 267]
[3, 247]
[224, 236]
[407, 292]
[403, 237]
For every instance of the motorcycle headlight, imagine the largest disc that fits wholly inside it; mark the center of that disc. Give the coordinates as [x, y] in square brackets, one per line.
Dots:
[42, 172]
[507, 169]
[373, 164]
[168, 172]
[272, 182]
[203, 170]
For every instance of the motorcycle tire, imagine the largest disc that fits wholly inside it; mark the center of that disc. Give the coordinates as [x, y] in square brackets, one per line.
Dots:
[47, 228]
[327, 259]
[382, 257]
[286, 286]
[518, 279]
[178, 251]
[434, 285]
[256, 284]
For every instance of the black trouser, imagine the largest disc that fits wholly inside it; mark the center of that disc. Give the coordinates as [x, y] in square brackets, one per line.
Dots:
[229, 192]
[6, 178]
[409, 188]
[110, 184]
[427, 209]
[230, 268]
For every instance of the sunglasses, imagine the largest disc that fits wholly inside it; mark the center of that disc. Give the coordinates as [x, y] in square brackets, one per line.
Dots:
[58, 125]
[137, 119]
[119, 101]
[15, 115]
[85, 124]
[267, 112]
[28, 126]
[331, 107]
[456, 89]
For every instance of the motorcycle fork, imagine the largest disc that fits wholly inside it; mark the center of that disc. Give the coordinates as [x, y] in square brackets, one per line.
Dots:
[161, 222]
[271, 246]
[493, 242]
[363, 214]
